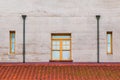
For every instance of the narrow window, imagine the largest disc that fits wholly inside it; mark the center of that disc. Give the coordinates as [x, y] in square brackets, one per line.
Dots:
[61, 47]
[109, 42]
[12, 42]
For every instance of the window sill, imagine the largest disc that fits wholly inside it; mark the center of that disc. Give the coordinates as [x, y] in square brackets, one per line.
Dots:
[60, 60]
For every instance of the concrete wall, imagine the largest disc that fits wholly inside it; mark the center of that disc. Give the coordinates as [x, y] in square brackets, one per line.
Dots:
[59, 16]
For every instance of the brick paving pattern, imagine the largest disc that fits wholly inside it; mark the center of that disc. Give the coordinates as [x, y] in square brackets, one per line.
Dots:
[51, 71]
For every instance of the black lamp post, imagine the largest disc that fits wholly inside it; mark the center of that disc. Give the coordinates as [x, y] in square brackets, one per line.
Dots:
[24, 18]
[98, 18]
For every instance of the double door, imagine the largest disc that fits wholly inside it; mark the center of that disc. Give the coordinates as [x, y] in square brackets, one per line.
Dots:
[61, 49]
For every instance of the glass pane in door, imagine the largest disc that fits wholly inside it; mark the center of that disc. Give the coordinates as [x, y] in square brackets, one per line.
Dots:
[66, 42]
[55, 55]
[66, 47]
[66, 55]
[56, 47]
[56, 42]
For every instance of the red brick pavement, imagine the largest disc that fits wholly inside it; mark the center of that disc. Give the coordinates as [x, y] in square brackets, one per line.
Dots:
[59, 71]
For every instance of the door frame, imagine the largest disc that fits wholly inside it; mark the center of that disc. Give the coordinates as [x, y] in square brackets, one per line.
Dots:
[61, 34]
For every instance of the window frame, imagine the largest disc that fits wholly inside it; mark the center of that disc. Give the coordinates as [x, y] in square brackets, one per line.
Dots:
[111, 42]
[10, 33]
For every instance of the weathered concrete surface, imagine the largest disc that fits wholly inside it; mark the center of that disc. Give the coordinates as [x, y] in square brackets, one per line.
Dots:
[59, 16]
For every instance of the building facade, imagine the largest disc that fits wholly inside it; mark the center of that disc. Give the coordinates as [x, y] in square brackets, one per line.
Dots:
[59, 30]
